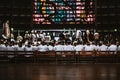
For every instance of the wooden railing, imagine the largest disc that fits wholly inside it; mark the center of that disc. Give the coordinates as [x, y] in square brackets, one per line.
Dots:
[60, 56]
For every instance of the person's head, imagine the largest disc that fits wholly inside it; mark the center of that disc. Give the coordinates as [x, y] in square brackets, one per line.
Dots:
[87, 32]
[32, 32]
[1, 42]
[96, 35]
[29, 44]
[59, 42]
[80, 32]
[100, 43]
[6, 43]
[44, 34]
[41, 32]
[117, 43]
[20, 44]
[43, 43]
[26, 32]
[11, 43]
[48, 33]
[69, 42]
[7, 21]
[113, 42]
[88, 43]
[93, 43]
[38, 32]
[75, 43]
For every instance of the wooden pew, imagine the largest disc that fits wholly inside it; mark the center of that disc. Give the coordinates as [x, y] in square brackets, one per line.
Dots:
[86, 56]
[45, 57]
[61, 56]
[106, 57]
[65, 57]
[118, 57]
[18, 56]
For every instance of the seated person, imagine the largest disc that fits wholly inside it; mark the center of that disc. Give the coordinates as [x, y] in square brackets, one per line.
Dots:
[28, 48]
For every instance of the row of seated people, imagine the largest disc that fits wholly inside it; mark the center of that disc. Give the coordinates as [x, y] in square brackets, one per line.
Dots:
[58, 47]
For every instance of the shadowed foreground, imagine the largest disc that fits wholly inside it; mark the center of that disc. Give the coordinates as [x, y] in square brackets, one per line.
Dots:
[59, 71]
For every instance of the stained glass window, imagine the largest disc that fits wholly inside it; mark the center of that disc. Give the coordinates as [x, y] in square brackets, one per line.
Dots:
[64, 11]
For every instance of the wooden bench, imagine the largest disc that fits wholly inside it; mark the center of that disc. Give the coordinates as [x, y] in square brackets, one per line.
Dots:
[60, 56]
[45, 57]
[86, 56]
[106, 57]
